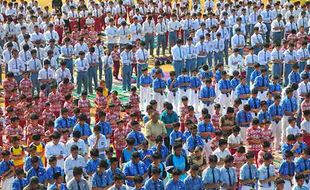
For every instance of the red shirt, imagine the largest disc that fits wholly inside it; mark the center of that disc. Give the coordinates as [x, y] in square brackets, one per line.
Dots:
[84, 106]
[25, 87]
[70, 107]
[101, 103]
[120, 139]
[192, 118]
[8, 86]
[65, 89]
[215, 119]
[254, 133]
[239, 159]
[55, 100]
[267, 135]
[34, 130]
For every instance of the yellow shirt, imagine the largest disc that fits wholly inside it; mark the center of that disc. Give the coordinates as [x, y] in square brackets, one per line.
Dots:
[154, 129]
[17, 152]
[40, 151]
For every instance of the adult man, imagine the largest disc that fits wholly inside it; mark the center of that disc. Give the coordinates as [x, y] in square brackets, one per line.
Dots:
[154, 128]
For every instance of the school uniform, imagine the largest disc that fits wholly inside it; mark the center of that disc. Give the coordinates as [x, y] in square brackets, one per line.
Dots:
[93, 61]
[277, 34]
[237, 41]
[141, 54]
[123, 34]
[126, 58]
[51, 35]
[19, 184]
[173, 95]
[34, 66]
[193, 141]
[133, 169]
[178, 56]
[145, 90]
[184, 85]
[63, 186]
[28, 165]
[67, 52]
[82, 66]
[25, 56]
[207, 92]
[248, 172]
[261, 81]
[195, 82]
[289, 105]
[302, 165]
[235, 63]
[242, 90]
[173, 28]
[241, 118]
[70, 163]
[218, 49]
[201, 50]
[137, 136]
[265, 172]
[7, 183]
[16, 66]
[148, 28]
[250, 61]
[51, 171]
[161, 30]
[303, 53]
[294, 77]
[61, 74]
[194, 183]
[228, 176]
[277, 68]
[288, 56]
[264, 58]
[224, 98]
[39, 172]
[84, 130]
[78, 47]
[111, 33]
[287, 169]
[150, 184]
[159, 96]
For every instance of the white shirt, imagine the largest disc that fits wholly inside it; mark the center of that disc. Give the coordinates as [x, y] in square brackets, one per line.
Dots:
[173, 25]
[55, 150]
[276, 23]
[161, 28]
[292, 130]
[190, 51]
[25, 55]
[80, 47]
[51, 35]
[61, 74]
[92, 58]
[256, 39]
[80, 143]
[34, 65]
[36, 36]
[263, 57]
[107, 62]
[232, 139]
[70, 163]
[102, 144]
[303, 53]
[149, 27]
[290, 56]
[142, 54]
[218, 45]
[251, 59]
[46, 74]
[202, 48]
[16, 66]
[305, 125]
[81, 65]
[234, 62]
[123, 34]
[303, 88]
[237, 40]
[111, 33]
[136, 31]
[221, 154]
[178, 53]
[276, 55]
[67, 50]
[262, 28]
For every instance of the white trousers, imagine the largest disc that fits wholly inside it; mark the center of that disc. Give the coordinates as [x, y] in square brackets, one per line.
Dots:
[174, 100]
[284, 126]
[160, 99]
[194, 99]
[262, 95]
[276, 129]
[145, 97]
[7, 183]
[224, 100]
[287, 185]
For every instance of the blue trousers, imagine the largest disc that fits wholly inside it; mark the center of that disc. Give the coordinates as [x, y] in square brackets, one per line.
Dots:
[249, 71]
[178, 66]
[277, 69]
[185, 35]
[149, 43]
[226, 47]
[82, 79]
[218, 57]
[201, 61]
[126, 75]
[277, 37]
[302, 65]
[35, 83]
[172, 39]
[108, 78]
[161, 42]
[268, 25]
[100, 68]
[69, 63]
[190, 65]
[209, 58]
[256, 50]
[92, 77]
[287, 70]
[140, 67]
[111, 47]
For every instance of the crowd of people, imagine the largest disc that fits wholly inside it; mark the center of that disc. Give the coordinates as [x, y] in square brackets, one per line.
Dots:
[234, 105]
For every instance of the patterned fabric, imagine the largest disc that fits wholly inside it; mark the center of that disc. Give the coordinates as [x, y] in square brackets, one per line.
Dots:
[25, 87]
[55, 100]
[254, 133]
[84, 106]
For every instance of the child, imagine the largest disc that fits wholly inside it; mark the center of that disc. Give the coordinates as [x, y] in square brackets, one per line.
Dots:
[8, 85]
[221, 152]
[155, 180]
[7, 171]
[176, 134]
[266, 131]
[173, 85]
[248, 172]
[84, 105]
[234, 140]
[195, 85]
[106, 129]
[52, 169]
[183, 110]
[228, 174]
[138, 180]
[93, 163]
[83, 127]
[264, 114]
[287, 169]
[25, 85]
[128, 150]
[33, 128]
[47, 114]
[254, 137]
[302, 164]
[146, 154]
[194, 140]
[120, 134]
[191, 115]
[118, 183]
[211, 175]
[198, 159]
[54, 98]
[100, 178]
[239, 159]
[18, 152]
[193, 179]
[114, 99]
[20, 182]
[160, 148]
[266, 172]
[300, 179]
[157, 163]
[134, 100]
[32, 151]
[292, 128]
[205, 128]
[69, 105]
[116, 60]
[145, 88]
[13, 129]
[175, 182]
[215, 117]
[100, 102]
[215, 140]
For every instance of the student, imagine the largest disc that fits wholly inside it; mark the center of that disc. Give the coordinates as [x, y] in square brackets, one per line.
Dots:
[98, 141]
[193, 180]
[58, 184]
[287, 169]
[221, 152]
[126, 58]
[228, 174]
[93, 163]
[134, 167]
[176, 134]
[135, 134]
[56, 148]
[184, 84]
[159, 87]
[17, 152]
[83, 127]
[53, 169]
[72, 161]
[300, 178]
[292, 128]
[175, 182]
[146, 153]
[178, 57]
[20, 181]
[118, 183]
[207, 95]
[7, 170]
[31, 153]
[82, 66]
[205, 128]
[37, 170]
[160, 147]
[105, 126]
[266, 173]
[254, 137]
[194, 140]
[77, 182]
[101, 179]
[155, 182]
[248, 173]
[234, 140]
[145, 88]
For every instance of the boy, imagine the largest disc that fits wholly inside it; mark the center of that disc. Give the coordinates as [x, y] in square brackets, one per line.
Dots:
[248, 172]
[83, 127]
[93, 163]
[287, 169]
[207, 95]
[145, 88]
[292, 128]
[302, 165]
[264, 115]
[37, 170]
[98, 141]
[18, 152]
[100, 179]
[266, 173]
[154, 183]
[175, 182]
[106, 129]
[211, 175]
[138, 180]
[234, 140]
[228, 174]
[193, 180]
[53, 169]
[221, 152]
[254, 137]
[300, 178]
[176, 134]
[7, 171]
[205, 128]
[20, 182]
[157, 163]
[195, 85]
[173, 85]
[194, 140]
[58, 178]
[118, 183]
[31, 153]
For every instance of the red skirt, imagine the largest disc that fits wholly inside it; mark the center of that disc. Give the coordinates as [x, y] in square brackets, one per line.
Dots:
[60, 31]
[98, 24]
[82, 23]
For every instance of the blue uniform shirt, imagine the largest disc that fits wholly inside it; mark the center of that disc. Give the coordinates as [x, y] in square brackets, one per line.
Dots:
[264, 116]
[218, 75]
[195, 82]
[294, 77]
[184, 79]
[92, 165]
[254, 103]
[39, 172]
[254, 74]
[275, 87]
[194, 141]
[138, 136]
[289, 104]
[146, 161]
[234, 83]
[150, 184]
[163, 151]
[242, 90]
[228, 176]
[302, 165]
[261, 81]
[159, 83]
[224, 85]
[275, 110]
[175, 185]
[243, 117]
[154, 69]
[285, 147]
[84, 130]
[101, 180]
[207, 92]
[133, 169]
[51, 171]
[19, 184]
[287, 168]
[117, 171]
[205, 127]
[5, 166]
[175, 85]
[54, 187]
[203, 75]
[193, 183]
[176, 135]
[28, 165]
[63, 123]
[145, 80]
[211, 176]
[301, 147]
[269, 102]
[248, 172]
[126, 154]
[105, 127]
